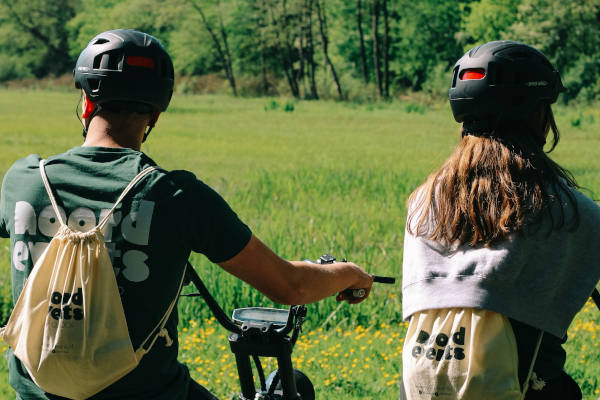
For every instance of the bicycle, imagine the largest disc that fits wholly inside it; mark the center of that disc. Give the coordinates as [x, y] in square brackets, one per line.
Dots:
[265, 332]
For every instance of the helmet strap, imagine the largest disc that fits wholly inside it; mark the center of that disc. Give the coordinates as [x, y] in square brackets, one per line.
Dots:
[91, 110]
[155, 115]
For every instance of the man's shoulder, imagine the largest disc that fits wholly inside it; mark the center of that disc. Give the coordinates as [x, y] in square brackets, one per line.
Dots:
[23, 166]
[182, 178]
[180, 182]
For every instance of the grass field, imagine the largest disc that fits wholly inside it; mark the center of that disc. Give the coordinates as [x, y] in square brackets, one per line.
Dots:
[320, 177]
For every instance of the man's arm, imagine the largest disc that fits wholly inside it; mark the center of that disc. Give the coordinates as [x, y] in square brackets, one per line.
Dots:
[294, 282]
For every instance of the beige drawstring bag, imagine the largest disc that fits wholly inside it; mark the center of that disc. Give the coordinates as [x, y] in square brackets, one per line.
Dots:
[462, 354]
[68, 326]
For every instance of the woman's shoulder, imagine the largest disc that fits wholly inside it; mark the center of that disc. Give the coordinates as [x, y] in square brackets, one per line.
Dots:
[586, 206]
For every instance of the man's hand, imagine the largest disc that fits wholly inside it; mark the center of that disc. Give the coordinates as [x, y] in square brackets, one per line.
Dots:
[364, 282]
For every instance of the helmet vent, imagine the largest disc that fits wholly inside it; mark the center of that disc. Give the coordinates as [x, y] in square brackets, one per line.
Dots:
[94, 84]
[101, 41]
[107, 61]
[454, 76]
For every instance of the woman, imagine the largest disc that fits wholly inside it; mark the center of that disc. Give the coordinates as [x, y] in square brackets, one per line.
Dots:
[501, 250]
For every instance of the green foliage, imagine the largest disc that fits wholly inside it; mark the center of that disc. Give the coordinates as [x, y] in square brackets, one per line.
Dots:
[33, 38]
[489, 20]
[438, 81]
[427, 38]
[271, 43]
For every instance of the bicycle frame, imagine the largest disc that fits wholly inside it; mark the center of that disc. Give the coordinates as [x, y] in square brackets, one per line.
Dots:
[257, 339]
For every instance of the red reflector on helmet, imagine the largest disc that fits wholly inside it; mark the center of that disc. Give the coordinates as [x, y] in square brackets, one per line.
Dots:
[468, 74]
[136, 61]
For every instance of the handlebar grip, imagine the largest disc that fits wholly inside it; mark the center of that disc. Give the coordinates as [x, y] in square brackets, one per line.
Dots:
[354, 294]
[383, 279]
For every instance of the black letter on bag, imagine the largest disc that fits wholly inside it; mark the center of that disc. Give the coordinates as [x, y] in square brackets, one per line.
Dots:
[78, 314]
[416, 351]
[441, 340]
[459, 337]
[423, 336]
[56, 298]
[430, 353]
[78, 298]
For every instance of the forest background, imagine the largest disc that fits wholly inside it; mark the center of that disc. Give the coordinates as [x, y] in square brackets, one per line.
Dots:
[360, 50]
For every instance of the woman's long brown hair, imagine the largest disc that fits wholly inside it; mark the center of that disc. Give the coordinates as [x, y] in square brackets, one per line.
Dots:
[493, 185]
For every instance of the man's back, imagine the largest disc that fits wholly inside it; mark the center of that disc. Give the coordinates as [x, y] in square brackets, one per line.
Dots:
[149, 239]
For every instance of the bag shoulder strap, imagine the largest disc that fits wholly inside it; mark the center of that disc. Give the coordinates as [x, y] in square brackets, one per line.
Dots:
[133, 182]
[535, 354]
[104, 220]
[50, 193]
[159, 329]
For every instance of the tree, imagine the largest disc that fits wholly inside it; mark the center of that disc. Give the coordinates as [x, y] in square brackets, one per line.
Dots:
[321, 14]
[311, 49]
[39, 38]
[281, 23]
[489, 20]
[386, 50]
[425, 38]
[363, 53]
[221, 44]
[376, 48]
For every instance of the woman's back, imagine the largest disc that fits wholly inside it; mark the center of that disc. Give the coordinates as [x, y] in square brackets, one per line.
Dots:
[498, 240]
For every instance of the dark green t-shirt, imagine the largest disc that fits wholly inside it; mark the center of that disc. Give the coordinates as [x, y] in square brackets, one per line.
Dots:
[149, 238]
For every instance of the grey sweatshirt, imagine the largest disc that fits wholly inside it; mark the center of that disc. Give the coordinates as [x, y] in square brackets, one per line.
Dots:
[542, 279]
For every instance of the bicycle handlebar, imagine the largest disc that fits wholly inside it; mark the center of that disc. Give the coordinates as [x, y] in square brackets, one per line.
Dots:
[353, 293]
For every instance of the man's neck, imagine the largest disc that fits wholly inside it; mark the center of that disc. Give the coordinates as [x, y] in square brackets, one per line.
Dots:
[102, 133]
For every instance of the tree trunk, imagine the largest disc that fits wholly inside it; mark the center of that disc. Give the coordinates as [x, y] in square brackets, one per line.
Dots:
[286, 64]
[311, 51]
[301, 52]
[325, 42]
[223, 58]
[386, 51]
[228, 57]
[263, 56]
[290, 51]
[363, 53]
[376, 48]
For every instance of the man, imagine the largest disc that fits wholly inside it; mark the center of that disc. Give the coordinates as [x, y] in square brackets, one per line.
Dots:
[126, 79]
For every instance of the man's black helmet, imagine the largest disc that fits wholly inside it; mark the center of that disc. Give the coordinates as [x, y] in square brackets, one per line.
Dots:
[502, 80]
[124, 66]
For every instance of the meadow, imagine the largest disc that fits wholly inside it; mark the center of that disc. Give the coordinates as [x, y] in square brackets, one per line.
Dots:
[308, 178]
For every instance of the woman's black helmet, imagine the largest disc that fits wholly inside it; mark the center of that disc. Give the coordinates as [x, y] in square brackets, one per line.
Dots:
[501, 81]
[127, 68]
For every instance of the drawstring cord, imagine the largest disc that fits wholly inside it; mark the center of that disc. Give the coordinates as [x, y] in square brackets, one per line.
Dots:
[165, 334]
[536, 382]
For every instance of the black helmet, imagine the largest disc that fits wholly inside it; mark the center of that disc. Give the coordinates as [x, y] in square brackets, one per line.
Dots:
[125, 67]
[500, 81]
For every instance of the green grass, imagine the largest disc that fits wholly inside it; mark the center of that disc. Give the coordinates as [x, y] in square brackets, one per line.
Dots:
[327, 177]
